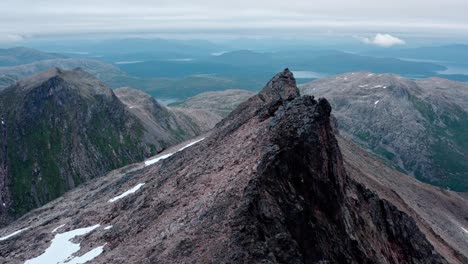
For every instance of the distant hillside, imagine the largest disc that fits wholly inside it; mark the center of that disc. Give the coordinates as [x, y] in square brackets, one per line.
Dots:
[21, 55]
[101, 70]
[447, 53]
[162, 123]
[63, 128]
[220, 103]
[421, 127]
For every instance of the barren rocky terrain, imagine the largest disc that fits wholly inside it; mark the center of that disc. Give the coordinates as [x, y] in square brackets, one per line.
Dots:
[270, 183]
[221, 103]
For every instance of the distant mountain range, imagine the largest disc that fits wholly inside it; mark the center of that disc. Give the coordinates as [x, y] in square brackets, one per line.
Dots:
[177, 70]
[105, 72]
[456, 53]
[22, 55]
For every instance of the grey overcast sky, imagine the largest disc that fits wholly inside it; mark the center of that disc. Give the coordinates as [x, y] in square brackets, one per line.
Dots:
[31, 18]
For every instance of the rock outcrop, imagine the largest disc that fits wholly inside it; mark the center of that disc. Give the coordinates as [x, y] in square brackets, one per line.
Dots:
[267, 185]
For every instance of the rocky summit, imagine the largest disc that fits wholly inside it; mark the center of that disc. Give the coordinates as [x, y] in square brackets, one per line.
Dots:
[268, 184]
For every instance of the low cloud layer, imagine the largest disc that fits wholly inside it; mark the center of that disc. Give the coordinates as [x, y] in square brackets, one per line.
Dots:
[55, 17]
[384, 40]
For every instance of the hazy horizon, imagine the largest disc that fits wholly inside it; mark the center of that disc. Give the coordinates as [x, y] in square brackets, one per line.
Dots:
[396, 21]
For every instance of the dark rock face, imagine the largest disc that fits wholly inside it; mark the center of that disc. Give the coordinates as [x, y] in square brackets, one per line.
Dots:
[281, 87]
[268, 185]
[64, 128]
[303, 208]
[5, 198]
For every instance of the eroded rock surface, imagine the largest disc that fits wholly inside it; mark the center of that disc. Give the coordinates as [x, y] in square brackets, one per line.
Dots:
[268, 185]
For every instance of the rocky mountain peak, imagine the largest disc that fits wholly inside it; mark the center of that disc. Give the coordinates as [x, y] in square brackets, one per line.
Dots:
[281, 87]
[76, 80]
[268, 185]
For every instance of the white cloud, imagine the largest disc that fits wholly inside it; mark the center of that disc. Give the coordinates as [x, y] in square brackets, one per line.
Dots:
[384, 40]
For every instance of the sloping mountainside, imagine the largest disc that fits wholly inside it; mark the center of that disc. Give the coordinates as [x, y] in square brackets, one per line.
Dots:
[101, 70]
[162, 123]
[61, 128]
[267, 185]
[220, 103]
[421, 127]
[21, 55]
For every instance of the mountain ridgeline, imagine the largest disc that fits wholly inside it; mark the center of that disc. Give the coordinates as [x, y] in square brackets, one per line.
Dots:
[269, 184]
[62, 128]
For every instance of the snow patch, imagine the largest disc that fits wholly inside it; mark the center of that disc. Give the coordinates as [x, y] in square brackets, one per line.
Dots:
[57, 228]
[155, 160]
[132, 190]
[464, 230]
[376, 102]
[107, 227]
[363, 86]
[152, 161]
[90, 255]
[378, 86]
[13, 234]
[191, 144]
[370, 74]
[61, 249]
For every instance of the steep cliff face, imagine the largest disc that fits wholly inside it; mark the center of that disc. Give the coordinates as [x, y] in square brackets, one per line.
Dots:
[66, 127]
[5, 198]
[267, 185]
